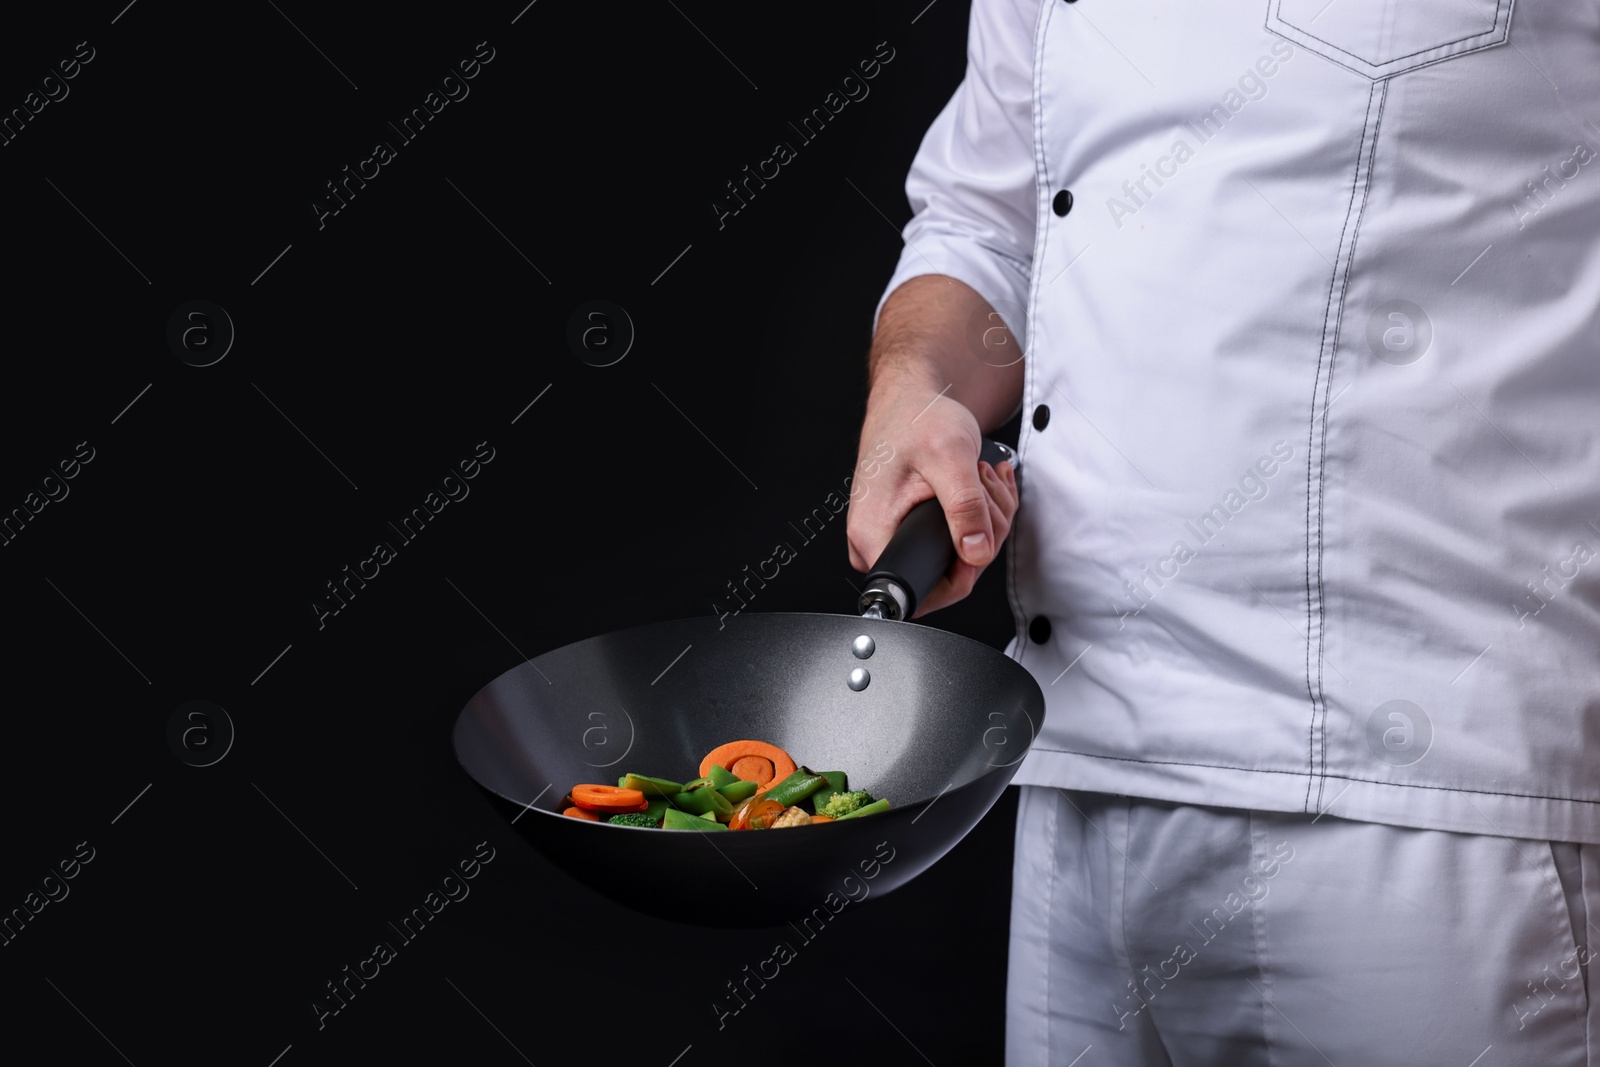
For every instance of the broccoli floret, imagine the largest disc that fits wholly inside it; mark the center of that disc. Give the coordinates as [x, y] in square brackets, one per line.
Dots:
[844, 803]
[635, 818]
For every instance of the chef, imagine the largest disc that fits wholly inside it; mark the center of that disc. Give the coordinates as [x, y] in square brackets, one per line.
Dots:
[1299, 302]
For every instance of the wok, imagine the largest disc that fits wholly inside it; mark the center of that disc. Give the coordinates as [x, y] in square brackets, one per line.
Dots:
[938, 725]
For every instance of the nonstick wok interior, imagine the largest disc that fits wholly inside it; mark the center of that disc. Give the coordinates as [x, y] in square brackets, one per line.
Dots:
[939, 730]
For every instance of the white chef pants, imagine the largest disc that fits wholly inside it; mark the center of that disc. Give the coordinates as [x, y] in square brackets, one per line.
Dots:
[1150, 933]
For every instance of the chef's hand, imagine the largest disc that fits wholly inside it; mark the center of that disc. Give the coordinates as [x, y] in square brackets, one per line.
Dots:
[920, 441]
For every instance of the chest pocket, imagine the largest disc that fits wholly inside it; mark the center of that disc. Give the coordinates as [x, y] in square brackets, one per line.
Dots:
[1382, 38]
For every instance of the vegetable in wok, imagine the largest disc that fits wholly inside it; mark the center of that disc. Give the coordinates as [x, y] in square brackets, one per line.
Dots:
[743, 785]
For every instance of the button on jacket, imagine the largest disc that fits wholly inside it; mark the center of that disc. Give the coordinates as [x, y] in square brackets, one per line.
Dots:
[1310, 300]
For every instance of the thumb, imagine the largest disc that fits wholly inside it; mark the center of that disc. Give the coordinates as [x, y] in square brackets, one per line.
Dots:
[966, 508]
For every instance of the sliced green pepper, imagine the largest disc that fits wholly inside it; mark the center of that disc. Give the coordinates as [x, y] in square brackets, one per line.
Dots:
[677, 820]
[869, 809]
[721, 776]
[650, 787]
[657, 807]
[738, 790]
[837, 783]
[795, 788]
[700, 801]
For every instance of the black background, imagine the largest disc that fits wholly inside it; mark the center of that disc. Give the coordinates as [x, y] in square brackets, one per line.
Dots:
[375, 353]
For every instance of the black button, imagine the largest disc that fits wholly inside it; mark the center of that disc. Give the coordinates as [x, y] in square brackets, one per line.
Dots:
[1039, 630]
[1041, 417]
[1062, 203]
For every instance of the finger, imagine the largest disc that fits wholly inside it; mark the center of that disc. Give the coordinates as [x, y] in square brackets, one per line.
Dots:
[955, 585]
[958, 583]
[1001, 504]
[872, 523]
[961, 494]
[852, 535]
[1000, 519]
[868, 523]
[1004, 494]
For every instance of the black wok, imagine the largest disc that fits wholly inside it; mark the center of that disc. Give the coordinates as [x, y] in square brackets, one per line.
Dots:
[939, 729]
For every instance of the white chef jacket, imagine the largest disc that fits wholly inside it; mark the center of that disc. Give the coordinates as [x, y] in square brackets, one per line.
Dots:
[1310, 450]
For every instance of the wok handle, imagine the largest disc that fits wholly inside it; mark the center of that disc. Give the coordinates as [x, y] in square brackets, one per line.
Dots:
[918, 555]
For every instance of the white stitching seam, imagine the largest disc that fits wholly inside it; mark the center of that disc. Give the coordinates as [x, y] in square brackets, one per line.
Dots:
[1029, 366]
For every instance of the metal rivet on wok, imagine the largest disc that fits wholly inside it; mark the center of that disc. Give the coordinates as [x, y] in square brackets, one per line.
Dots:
[859, 679]
[863, 647]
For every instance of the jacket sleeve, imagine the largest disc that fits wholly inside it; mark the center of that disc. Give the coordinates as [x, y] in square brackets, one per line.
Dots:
[971, 185]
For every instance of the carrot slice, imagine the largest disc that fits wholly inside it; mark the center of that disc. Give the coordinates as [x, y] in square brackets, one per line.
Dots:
[608, 798]
[821, 818]
[731, 753]
[757, 769]
[579, 813]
